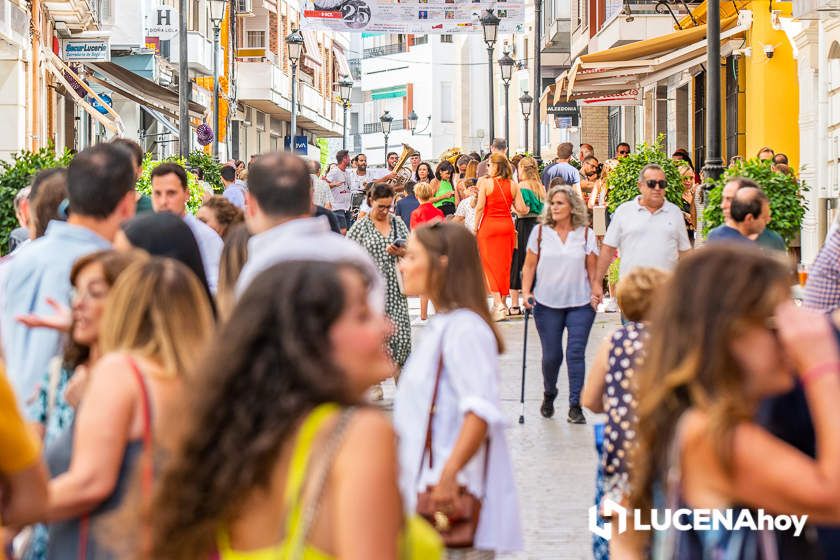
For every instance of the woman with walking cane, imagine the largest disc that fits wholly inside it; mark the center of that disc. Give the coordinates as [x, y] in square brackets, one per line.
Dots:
[456, 469]
[562, 253]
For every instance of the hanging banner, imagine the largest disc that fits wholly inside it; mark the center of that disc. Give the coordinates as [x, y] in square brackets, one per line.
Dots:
[417, 17]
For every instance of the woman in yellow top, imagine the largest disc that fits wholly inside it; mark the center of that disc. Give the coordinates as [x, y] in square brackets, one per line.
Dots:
[280, 459]
[24, 478]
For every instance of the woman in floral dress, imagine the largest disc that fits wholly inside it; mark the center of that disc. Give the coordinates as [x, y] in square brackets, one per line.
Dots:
[377, 232]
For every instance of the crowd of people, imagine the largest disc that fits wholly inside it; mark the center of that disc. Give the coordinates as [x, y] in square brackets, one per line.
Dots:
[201, 385]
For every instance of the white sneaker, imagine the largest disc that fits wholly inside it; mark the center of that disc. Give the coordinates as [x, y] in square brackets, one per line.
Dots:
[611, 305]
[376, 392]
[418, 322]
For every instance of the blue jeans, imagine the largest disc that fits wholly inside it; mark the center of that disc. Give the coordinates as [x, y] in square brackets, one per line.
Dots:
[551, 323]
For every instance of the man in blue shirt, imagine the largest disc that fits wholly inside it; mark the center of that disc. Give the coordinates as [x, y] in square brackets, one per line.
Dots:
[407, 205]
[562, 168]
[100, 184]
[749, 221]
[234, 190]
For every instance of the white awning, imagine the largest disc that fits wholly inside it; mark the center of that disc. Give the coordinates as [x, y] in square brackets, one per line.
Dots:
[343, 65]
[622, 71]
[111, 121]
[311, 50]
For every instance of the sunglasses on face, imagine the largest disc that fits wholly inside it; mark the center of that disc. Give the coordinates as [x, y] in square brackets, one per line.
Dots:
[653, 184]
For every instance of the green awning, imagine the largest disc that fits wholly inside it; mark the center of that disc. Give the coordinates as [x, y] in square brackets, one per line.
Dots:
[388, 93]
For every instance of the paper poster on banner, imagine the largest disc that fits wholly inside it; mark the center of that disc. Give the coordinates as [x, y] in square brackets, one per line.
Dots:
[410, 16]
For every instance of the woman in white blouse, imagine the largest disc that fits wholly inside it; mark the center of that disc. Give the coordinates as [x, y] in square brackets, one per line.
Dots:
[442, 263]
[563, 252]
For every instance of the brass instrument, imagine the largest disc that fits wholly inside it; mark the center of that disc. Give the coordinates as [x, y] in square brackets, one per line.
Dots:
[402, 173]
[451, 155]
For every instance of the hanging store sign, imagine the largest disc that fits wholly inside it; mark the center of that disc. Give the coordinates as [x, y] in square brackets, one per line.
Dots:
[411, 16]
[86, 50]
[162, 22]
[566, 111]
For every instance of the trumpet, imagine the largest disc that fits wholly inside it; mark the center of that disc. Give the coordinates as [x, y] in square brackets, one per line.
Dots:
[451, 155]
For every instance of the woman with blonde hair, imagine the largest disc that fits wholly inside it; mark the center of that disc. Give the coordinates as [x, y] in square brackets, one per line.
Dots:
[494, 229]
[468, 179]
[725, 338]
[533, 194]
[562, 254]
[155, 327]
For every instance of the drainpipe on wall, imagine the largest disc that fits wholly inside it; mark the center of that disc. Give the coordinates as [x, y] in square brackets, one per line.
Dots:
[35, 69]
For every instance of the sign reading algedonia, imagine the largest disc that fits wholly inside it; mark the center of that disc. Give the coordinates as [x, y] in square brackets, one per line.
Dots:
[411, 16]
[86, 50]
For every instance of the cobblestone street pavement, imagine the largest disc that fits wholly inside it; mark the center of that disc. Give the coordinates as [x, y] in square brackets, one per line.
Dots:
[554, 461]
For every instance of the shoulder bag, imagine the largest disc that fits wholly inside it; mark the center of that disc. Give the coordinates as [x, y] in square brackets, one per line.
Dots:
[457, 527]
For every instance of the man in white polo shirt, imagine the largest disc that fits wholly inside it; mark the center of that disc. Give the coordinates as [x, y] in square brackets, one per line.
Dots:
[647, 231]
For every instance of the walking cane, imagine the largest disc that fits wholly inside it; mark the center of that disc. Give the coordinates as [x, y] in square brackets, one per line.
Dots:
[524, 357]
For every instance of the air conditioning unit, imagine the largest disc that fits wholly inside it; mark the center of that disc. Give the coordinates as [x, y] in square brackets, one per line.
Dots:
[244, 7]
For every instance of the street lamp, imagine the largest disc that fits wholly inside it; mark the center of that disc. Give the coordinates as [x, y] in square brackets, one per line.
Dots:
[525, 101]
[386, 119]
[490, 27]
[217, 13]
[713, 166]
[295, 44]
[412, 124]
[345, 88]
[506, 64]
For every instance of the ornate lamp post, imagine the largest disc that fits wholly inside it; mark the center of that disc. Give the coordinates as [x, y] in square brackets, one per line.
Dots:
[386, 120]
[412, 124]
[345, 88]
[525, 102]
[506, 64]
[217, 14]
[713, 166]
[295, 45]
[490, 28]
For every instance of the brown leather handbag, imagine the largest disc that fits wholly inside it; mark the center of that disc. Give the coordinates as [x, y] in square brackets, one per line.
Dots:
[457, 526]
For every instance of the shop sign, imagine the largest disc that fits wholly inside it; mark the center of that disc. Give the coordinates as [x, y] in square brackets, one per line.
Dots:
[86, 50]
[162, 22]
[568, 112]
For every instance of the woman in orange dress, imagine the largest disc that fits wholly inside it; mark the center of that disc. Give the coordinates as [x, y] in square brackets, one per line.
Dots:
[495, 231]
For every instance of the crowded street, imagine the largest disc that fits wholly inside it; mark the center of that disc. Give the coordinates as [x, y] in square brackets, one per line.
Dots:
[420, 280]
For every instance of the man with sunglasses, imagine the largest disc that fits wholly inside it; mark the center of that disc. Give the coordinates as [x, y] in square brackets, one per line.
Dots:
[622, 150]
[647, 231]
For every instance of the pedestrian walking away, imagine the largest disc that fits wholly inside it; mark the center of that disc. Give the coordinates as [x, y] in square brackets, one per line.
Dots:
[447, 411]
[495, 232]
[560, 268]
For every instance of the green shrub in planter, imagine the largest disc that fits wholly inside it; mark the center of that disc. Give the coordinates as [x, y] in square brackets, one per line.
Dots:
[623, 181]
[212, 169]
[17, 174]
[785, 193]
[144, 183]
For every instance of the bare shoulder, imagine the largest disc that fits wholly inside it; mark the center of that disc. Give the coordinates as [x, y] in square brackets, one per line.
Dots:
[369, 441]
[369, 423]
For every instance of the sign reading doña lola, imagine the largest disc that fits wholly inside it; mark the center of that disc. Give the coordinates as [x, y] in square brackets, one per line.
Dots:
[162, 22]
[86, 50]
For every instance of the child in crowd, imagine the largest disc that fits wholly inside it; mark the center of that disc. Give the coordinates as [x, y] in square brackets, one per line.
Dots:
[426, 212]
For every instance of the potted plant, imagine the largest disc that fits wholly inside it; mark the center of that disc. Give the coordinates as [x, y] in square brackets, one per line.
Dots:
[17, 174]
[787, 205]
[623, 181]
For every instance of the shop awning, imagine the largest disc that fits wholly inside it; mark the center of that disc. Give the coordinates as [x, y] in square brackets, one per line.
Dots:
[140, 90]
[311, 50]
[343, 65]
[64, 74]
[616, 72]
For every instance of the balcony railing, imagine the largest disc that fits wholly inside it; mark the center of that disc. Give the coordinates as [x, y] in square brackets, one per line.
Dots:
[385, 50]
[376, 127]
[355, 68]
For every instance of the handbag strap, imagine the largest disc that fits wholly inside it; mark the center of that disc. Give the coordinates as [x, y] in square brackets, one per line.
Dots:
[146, 461]
[427, 447]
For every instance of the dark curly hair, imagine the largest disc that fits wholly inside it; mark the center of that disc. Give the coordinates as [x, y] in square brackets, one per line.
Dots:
[227, 214]
[267, 368]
